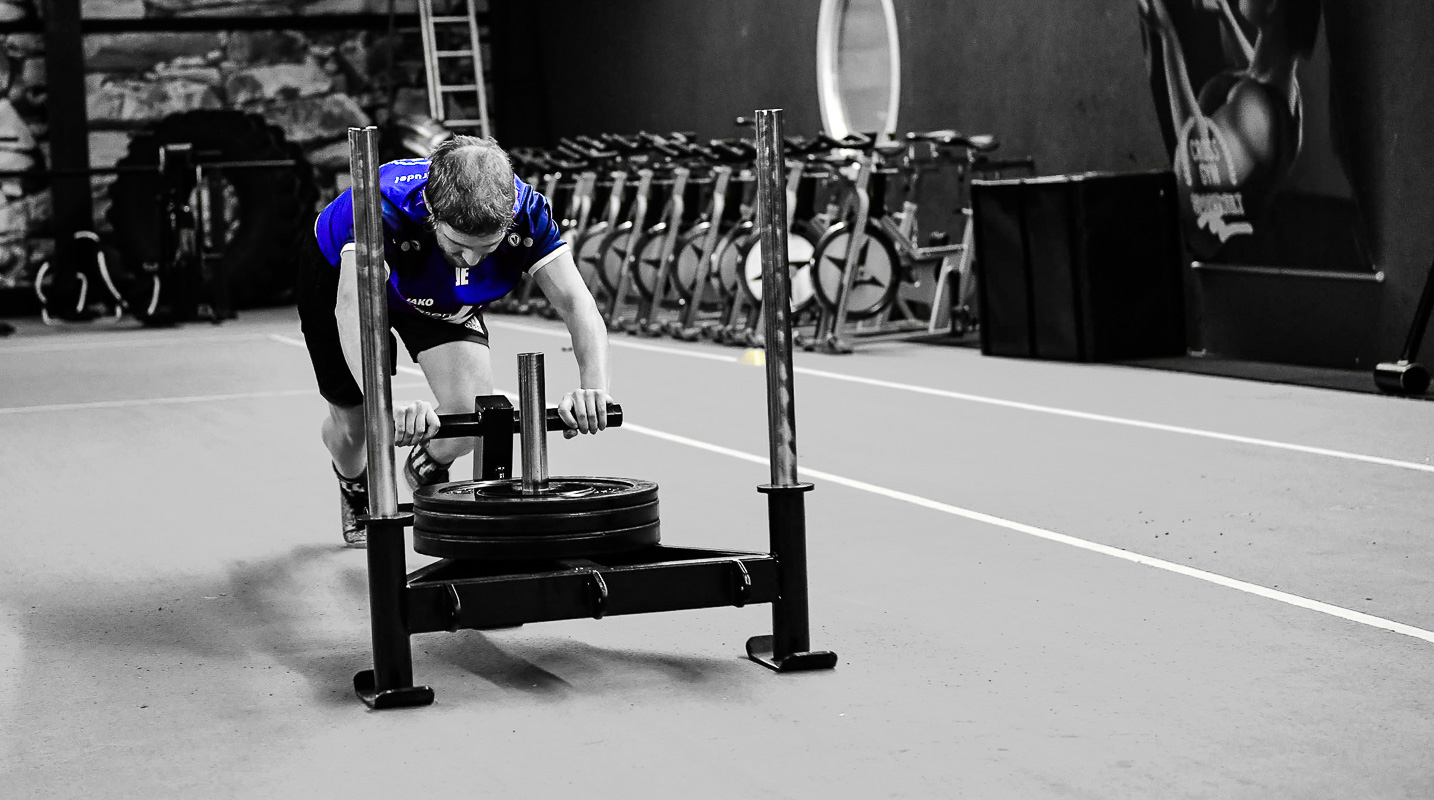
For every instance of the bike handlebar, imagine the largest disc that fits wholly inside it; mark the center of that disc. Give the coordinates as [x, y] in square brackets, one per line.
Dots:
[981, 143]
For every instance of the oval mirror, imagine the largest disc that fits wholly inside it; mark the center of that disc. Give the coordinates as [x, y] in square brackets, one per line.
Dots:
[858, 66]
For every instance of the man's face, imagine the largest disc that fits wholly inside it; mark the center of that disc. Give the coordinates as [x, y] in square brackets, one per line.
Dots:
[464, 249]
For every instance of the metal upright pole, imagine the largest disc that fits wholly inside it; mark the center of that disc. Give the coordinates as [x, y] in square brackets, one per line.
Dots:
[390, 683]
[788, 648]
[533, 422]
[373, 321]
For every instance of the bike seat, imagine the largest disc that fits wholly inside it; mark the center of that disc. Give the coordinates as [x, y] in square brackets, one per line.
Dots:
[981, 142]
[852, 141]
[733, 150]
[623, 144]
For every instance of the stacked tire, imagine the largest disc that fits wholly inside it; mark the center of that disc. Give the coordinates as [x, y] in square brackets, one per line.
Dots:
[273, 208]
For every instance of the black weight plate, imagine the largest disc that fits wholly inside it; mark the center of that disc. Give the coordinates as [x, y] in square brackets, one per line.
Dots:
[566, 495]
[534, 524]
[567, 545]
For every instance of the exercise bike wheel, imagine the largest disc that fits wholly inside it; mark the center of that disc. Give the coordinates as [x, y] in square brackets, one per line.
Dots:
[690, 261]
[730, 251]
[613, 251]
[649, 260]
[873, 288]
[587, 252]
[800, 250]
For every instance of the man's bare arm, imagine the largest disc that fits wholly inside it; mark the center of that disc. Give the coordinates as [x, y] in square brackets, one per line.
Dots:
[413, 423]
[584, 410]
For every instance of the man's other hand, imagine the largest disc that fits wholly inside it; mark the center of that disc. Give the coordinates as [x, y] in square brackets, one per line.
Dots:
[584, 411]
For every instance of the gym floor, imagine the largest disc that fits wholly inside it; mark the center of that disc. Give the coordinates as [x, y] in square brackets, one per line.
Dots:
[1042, 579]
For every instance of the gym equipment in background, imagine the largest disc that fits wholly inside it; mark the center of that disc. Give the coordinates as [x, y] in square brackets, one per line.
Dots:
[861, 269]
[207, 211]
[210, 207]
[1406, 376]
[646, 214]
[412, 136]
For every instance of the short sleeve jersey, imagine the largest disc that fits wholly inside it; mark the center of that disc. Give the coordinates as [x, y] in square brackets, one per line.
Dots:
[421, 280]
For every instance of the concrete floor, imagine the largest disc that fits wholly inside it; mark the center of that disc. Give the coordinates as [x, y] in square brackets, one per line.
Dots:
[178, 617]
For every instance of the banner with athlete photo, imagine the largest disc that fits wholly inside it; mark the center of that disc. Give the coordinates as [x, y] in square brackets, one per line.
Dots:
[1242, 93]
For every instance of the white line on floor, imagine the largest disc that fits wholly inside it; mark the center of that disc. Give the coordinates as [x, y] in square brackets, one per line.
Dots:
[150, 401]
[1134, 423]
[289, 340]
[1062, 412]
[119, 340]
[282, 339]
[651, 348]
[1031, 530]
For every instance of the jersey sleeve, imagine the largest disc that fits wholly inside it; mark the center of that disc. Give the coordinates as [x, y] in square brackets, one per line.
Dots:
[335, 226]
[535, 222]
[401, 195]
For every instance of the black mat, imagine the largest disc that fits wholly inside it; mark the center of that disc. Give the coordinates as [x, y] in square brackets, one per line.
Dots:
[1344, 380]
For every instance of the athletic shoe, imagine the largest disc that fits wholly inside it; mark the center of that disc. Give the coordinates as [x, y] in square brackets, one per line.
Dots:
[421, 469]
[353, 501]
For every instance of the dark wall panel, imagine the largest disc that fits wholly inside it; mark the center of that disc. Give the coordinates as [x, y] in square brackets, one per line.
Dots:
[1064, 82]
[1382, 58]
[656, 65]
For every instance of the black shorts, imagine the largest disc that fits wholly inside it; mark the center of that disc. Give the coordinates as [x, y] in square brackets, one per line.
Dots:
[318, 289]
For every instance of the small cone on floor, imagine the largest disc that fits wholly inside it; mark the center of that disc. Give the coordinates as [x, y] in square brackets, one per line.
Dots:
[753, 357]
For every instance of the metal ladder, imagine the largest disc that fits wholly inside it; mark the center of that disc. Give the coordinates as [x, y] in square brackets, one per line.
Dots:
[438, 92]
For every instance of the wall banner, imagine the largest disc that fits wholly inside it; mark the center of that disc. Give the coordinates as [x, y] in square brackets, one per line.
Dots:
[1242, 94]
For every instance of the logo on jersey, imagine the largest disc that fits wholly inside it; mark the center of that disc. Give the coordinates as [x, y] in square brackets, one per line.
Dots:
[513, 239]
[417, 176]
[460, 276]
[423, 302]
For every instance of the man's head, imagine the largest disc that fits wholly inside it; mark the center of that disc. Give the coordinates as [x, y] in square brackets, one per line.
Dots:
[470, 196]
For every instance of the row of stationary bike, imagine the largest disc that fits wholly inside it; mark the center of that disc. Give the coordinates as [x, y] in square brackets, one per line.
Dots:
[664, 232]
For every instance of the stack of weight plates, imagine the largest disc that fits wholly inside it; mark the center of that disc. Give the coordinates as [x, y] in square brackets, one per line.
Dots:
[574, 517]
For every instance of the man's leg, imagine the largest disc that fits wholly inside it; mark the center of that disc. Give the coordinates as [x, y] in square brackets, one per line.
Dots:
[457, 372]
[344, 435]
[342, 430]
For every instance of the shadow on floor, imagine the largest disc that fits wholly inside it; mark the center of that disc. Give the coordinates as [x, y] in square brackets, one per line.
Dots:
[550, 668]
[304, 611]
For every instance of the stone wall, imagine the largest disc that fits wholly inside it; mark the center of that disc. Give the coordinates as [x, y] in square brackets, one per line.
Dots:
[312, 85]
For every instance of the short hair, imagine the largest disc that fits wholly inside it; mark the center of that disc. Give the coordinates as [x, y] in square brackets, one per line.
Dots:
[470, 186]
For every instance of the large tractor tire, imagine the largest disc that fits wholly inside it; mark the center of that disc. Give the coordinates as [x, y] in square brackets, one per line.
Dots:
[269, 210]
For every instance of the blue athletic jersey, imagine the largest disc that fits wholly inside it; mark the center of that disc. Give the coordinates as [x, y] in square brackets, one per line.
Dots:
[421, 279]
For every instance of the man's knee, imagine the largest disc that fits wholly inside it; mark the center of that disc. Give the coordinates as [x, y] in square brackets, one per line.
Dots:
[457, 372]
[345, 424]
